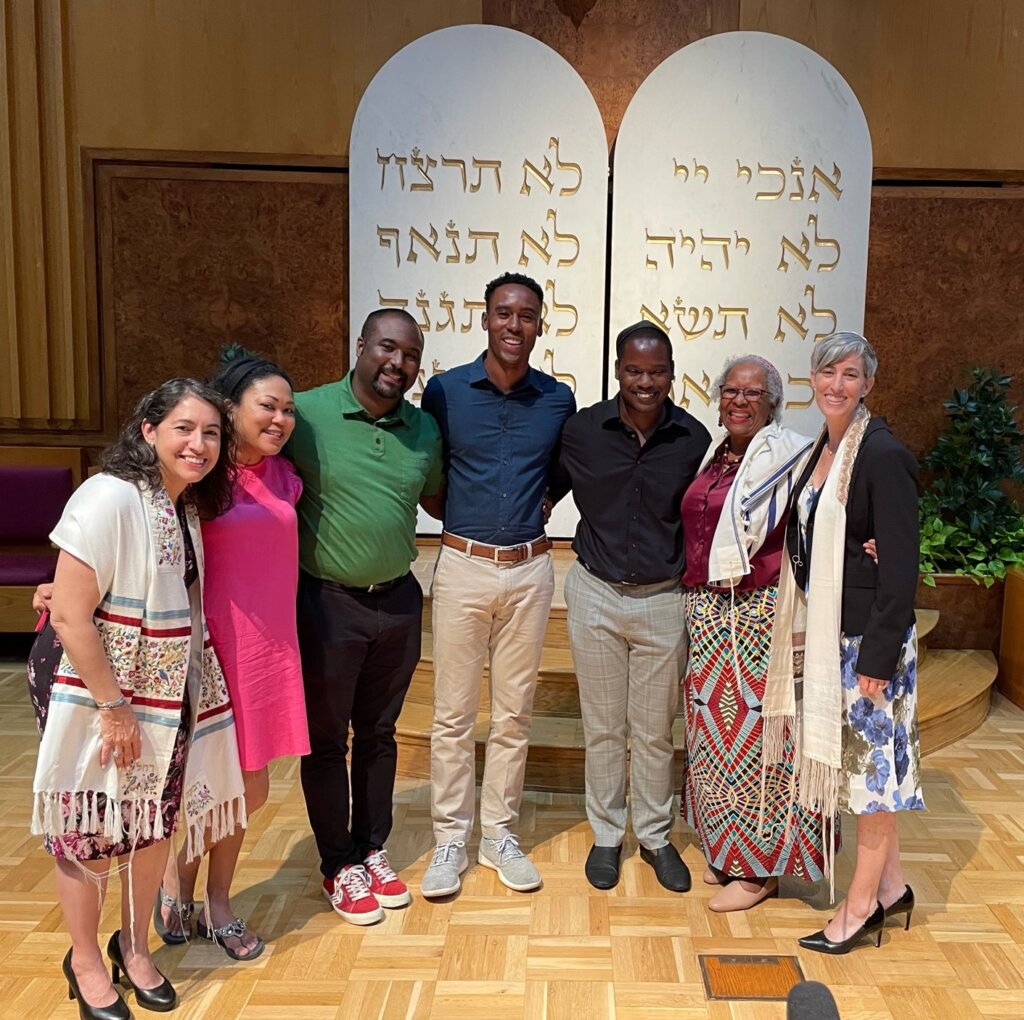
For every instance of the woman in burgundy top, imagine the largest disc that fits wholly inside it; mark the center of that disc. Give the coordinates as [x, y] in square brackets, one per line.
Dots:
[734, 524]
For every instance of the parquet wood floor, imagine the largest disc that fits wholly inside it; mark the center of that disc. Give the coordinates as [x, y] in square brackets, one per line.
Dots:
[567, 950]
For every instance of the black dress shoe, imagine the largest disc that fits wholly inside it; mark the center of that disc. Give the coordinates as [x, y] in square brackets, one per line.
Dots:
[668, 866]
[602, 867]
[872, 926]
[904, 905]
[161, 999]
[117, 1010]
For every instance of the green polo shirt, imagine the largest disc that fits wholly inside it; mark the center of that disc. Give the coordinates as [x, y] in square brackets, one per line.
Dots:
[361, 481]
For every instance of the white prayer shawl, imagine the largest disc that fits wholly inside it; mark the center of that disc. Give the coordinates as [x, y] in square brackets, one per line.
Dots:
[132, 539]
[756, 501]
[814, 720]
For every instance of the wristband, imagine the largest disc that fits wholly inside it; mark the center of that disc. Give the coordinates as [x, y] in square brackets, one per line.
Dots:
[106, 706]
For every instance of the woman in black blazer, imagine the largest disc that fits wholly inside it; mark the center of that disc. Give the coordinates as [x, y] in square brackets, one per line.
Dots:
[858, 711]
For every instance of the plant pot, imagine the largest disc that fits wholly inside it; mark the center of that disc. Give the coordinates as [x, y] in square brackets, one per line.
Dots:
[970, 615]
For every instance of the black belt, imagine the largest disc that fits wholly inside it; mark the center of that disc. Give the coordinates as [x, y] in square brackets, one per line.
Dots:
[370, 589]
[618, 584]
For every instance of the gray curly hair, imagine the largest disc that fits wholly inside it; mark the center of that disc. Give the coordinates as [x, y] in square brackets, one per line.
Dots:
[772, 379]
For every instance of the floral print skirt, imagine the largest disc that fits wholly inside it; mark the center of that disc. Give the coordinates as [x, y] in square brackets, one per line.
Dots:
[881, 746]
[44, 659]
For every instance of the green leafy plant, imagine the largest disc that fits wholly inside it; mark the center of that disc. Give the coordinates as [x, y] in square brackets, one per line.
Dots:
[969, 523]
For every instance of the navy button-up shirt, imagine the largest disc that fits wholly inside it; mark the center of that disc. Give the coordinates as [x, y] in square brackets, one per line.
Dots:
[498, 450]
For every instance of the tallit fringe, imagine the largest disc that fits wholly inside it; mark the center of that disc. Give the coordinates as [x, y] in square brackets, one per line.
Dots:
[57, 813]
[774, 731]
[220, 821]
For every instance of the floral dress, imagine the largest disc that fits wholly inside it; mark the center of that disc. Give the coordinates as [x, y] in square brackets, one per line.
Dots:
[881, 745]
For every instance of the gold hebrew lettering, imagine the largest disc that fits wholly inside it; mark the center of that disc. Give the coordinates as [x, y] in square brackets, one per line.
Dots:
[564, 239]
[486, 164]
[572, 167]
[421, 382]
[385, 237]
[453, 235]
[742, 242]
[727, 313]
[700, 170]
[800, 254]
[476, 236]
[743, 171]
[780, 333]
[560, 308]
[549, 362]
[680, 169]
[666, 239]
[471, 308]
[423, 303]
[460, 163]
[692, 332]
[543, 176]
[391, 302]
[429, 245]
[685, 241]
[385, 162]
[800, 380]
[817, 312]
[716, 242]
[798, 181]
[824, 242]
[701, 390]
[769, 196]
[449, 306]
[831, 184]
[541, 248]
[435, 367]
[661, 320]
[424, 165]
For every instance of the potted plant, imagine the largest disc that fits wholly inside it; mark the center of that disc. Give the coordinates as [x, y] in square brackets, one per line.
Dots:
[972, 530]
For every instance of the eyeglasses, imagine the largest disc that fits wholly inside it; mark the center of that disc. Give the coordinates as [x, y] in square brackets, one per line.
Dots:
[732, 392]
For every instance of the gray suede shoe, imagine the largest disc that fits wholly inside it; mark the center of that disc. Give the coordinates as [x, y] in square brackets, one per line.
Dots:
[514, 868]
[443, 877]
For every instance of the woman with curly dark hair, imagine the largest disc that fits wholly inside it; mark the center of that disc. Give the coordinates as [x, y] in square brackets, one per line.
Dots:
[134, 716]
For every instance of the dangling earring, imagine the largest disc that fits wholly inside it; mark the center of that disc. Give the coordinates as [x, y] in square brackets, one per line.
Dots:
[719, 421]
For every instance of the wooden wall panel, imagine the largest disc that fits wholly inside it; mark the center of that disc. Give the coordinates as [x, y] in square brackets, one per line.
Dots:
[237, 75]
[945, 290]
[941, 81]
[614, 44]
[194, 258]
[47, 381]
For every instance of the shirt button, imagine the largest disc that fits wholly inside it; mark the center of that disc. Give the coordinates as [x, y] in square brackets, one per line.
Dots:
[504, 495]
[633, 574]
[634, 545]
[637, 489]
[634, 517]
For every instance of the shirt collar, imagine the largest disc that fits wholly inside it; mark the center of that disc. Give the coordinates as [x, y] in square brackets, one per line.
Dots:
[351, 408]
[674, 418]
[478, 377]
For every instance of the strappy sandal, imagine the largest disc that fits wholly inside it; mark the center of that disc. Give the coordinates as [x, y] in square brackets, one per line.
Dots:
[184, 910]
[235, 929]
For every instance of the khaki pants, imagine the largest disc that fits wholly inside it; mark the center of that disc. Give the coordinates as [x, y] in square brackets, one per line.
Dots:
[629, 649]
[492, 614]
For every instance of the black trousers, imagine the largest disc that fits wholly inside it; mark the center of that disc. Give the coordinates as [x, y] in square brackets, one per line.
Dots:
[359, 652]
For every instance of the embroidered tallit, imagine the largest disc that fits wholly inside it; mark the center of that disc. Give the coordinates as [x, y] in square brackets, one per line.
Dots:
[132, 539]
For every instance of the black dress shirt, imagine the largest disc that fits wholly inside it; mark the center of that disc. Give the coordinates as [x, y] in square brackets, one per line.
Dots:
[628, 495]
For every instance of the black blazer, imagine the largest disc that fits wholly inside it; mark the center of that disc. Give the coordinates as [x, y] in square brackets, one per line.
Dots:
[878, 599]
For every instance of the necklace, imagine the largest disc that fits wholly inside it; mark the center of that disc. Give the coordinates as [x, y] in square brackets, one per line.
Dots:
[732, 458]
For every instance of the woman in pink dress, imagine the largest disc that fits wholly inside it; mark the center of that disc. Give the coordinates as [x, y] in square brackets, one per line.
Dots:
[252, 564]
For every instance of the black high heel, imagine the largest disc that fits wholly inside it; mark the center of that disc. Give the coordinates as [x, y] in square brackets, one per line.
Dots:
[904, 905]
[117, 1010]
[161, 999]
[820, 943]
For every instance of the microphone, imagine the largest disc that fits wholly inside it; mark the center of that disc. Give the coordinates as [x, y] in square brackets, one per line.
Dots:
[810, 1000]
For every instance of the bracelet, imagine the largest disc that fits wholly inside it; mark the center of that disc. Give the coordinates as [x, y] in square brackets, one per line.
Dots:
[106, 706]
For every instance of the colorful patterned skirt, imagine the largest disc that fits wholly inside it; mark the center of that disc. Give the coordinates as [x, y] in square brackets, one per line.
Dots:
[730, 635]
[44, 659]
[881, 746]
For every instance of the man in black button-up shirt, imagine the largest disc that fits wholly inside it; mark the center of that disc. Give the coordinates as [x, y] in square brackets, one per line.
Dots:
[628, 461]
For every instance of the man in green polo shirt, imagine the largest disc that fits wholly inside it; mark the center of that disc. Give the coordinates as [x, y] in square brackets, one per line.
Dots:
[366, 456]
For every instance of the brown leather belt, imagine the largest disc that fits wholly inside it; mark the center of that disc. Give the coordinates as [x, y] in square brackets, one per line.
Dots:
[497, 553]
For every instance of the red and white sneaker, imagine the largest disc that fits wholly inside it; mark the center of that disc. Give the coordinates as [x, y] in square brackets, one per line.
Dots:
[385, 885]
[349, 894]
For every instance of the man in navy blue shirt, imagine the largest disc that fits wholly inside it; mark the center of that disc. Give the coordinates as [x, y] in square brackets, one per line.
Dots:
[500, 421]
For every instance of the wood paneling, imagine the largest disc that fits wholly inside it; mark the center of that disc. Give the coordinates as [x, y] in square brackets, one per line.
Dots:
[237, 75]
[1011, 650]
[941, 81]
[945, 290]
[47, 380]
[193, 258]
